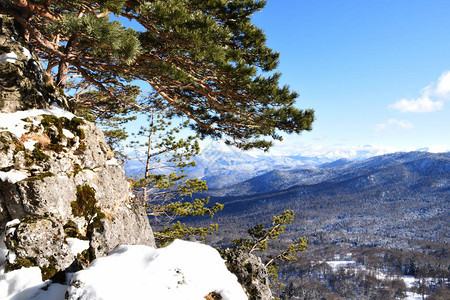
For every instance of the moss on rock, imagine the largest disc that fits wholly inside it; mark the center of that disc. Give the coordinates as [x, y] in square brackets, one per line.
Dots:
[71, 230]
[40, 176]
[86, 206]
[53, 128]
[38, 155]
[19, 263]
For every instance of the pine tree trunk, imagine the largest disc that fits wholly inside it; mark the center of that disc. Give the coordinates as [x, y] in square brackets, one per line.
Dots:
[63, 69]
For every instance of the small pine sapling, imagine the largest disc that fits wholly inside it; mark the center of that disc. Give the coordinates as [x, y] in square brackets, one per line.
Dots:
[164, 186]
[259, 241]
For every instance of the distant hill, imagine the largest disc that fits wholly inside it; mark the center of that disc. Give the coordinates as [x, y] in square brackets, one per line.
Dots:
[393, 200]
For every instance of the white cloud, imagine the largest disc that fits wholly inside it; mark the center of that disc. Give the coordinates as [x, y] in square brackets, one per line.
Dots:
[420, 105]
[443, 86]
[431, 97]
[393, 124]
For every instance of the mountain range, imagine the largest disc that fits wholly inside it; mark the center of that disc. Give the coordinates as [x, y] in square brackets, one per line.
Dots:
[222, 166]
[392, 200]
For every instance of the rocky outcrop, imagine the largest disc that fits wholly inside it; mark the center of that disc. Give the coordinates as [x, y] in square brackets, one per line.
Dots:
[58, 177]
[251, 273]
[23, 84]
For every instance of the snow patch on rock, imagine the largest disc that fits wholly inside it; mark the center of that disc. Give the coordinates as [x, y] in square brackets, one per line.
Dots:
[8, 57]
[68, 133]
[112, 162]
[13, 176]
[29, 145]
[77, 246]
[27, 53]
[13, 122]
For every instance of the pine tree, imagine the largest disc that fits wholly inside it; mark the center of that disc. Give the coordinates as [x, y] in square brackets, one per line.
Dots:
[259, 241]
[203, 58]
[163, 185]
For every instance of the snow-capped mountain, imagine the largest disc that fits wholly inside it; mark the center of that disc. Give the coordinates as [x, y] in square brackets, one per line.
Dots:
[223, 166]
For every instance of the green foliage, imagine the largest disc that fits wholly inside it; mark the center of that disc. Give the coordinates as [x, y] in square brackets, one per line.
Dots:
[97, 34]
[110, 115]
[260, 236]
[163, 186]
[204, 59]
[194, 208]
[166, 156]
[179, 230]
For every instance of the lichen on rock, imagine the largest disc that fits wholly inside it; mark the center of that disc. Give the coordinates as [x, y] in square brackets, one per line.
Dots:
[39, 241]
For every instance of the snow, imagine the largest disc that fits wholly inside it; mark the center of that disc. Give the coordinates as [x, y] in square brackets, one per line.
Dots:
[182, 270]
[20, 284]
[77, 246]
[413, 296]
[112, 162]
[336, 264]
[29, 145]
[8, 57]
[410, 281]
[12, 223]
[68, 133]
[13, 122]
[11, 256]
[27, 53]
[13, 176]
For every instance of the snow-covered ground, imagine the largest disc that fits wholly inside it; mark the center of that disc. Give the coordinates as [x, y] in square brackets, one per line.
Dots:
[182, 270]
[410, 281]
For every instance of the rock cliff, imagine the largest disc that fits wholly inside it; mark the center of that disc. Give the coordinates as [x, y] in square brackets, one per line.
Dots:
[59, 180]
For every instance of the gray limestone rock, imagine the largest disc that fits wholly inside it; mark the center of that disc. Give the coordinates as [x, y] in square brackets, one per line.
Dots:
[59, 177]
[39, 241]
[251, 273]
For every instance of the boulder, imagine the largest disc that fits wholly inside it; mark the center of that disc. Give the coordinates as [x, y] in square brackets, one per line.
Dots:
[251, 273]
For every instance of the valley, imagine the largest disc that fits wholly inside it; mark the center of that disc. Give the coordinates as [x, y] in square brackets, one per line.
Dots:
[395, 200]
[387, 210]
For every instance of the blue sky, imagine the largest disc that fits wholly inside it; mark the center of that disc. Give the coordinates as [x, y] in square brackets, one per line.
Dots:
[377, 73]
[374, 71]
